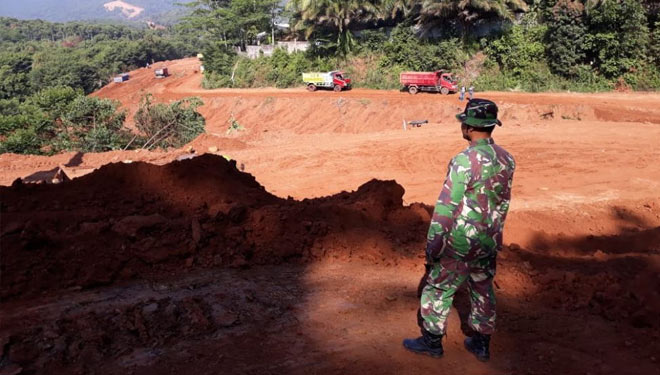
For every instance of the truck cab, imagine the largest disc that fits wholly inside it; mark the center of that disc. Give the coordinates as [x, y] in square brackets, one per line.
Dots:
[340, 81]
[447, 81]
[335, 80]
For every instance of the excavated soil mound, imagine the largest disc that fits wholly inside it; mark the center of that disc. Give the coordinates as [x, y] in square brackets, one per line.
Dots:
[194, 267]
[126, 221]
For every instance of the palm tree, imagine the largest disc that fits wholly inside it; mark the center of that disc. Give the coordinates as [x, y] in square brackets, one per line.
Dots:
[336, 14]
[393, 8]
[468, 12]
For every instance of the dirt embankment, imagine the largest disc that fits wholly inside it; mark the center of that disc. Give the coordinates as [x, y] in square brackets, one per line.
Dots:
[362, 110]
[126, 220]
[130, 223]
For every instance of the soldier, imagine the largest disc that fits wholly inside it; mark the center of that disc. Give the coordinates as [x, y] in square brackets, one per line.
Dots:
[465, 235]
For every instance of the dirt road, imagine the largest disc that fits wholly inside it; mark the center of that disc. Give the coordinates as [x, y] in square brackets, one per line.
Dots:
[195, 267]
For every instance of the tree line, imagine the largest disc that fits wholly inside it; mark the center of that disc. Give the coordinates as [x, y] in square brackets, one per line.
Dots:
[47, 69]
[533, 45]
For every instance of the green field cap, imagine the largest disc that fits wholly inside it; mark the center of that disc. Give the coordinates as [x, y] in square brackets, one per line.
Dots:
[480, 113]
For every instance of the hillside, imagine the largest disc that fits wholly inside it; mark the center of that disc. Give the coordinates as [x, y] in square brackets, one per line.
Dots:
[75, 10]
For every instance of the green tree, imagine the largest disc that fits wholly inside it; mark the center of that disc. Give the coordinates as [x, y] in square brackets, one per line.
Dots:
[43, 111]
[219, 59]
[92, 125]
[336, 16]
[14, 74]
[618, 36]
[55, 101]
[407, 51]
[36, 54]
[469, 13]
[61, 119]
[232, 22]
[566, 37]
[654, 46]
[61, 67]
[518, 49]
[403, 10]
[372, 40]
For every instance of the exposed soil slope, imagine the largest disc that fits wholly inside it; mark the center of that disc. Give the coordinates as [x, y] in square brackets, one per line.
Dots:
[115, 269]
[128, 10]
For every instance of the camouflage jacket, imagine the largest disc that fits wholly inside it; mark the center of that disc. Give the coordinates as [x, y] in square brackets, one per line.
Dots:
[469, 216]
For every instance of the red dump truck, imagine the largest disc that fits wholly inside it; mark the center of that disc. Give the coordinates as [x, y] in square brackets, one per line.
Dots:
[437, 81]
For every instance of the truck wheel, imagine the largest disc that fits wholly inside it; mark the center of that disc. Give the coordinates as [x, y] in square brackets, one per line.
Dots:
[311, 88]
[412, 90]
[444, 91]
[337, 88]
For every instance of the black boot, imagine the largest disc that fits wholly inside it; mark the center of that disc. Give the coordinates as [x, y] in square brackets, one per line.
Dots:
[428, 344]
[478, 345]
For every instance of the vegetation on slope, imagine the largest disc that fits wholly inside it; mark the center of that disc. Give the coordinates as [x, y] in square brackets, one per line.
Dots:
[532, 46]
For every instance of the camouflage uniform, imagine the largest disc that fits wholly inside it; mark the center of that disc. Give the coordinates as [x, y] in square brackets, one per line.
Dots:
[465, 235]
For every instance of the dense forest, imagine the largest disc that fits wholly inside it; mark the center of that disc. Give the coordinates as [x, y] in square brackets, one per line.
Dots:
[46, 69]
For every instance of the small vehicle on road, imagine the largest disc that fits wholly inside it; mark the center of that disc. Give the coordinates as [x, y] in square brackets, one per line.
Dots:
[162, 73]
[438, 81]
[334, 80]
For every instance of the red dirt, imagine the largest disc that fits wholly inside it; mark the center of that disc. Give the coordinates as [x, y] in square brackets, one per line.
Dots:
[200, 212]
[195, 267]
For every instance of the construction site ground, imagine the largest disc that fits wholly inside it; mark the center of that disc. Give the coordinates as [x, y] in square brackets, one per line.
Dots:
[302, 255]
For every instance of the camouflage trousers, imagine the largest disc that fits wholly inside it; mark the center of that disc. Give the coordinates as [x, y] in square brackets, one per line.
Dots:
[444, 278]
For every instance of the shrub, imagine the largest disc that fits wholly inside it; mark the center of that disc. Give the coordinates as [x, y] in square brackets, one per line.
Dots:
[538, 77]
[170, 125]
[61, 119]
[618, 36]
[369, 71]
[22, 141]
[286, 69]
[647, 78]
[518, 49]
[218, 62]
